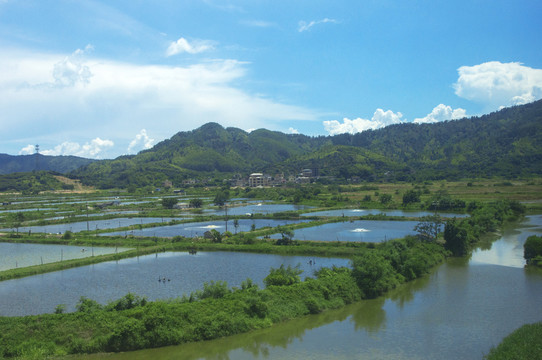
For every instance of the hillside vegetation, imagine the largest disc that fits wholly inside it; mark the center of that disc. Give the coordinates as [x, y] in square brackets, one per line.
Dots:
[506, 144]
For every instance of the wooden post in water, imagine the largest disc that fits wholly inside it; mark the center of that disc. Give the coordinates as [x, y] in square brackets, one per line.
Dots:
[61, 254]
[41, 257]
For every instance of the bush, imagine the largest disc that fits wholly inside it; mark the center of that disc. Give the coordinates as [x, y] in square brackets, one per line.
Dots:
[213, 289]
[283, 276]
[374, 274]
[532, 249]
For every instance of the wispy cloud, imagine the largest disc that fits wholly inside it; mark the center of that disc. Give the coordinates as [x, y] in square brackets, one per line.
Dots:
[442, 112]
[497, 84]
[258, 23]
[306, 26]
[182, 45]
[379, 120]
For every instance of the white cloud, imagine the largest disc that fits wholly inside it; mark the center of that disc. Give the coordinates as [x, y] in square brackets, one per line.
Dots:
[182, 45]
[305, 26]
[497, 84]
[120, 98]
[27, 150]
[291, 130]
[379, 120]
[87, 150]
[72, 69]
[141, 141]
[442, 112]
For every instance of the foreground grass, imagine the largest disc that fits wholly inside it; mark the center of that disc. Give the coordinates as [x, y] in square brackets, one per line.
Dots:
[524, 343]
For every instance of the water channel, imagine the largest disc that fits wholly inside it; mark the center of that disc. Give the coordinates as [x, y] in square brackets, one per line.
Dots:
[458, 312]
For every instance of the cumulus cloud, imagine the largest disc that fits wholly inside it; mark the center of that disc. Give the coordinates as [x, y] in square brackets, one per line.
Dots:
[90, 149]
[442, 112]
[72, 70]
[305, 26]
[182, 45]
[141, 141]
[291, 130]
[27, 150]
[497, 84]
[379, 120]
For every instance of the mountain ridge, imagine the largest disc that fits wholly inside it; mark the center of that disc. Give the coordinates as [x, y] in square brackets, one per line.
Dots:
[506, 143]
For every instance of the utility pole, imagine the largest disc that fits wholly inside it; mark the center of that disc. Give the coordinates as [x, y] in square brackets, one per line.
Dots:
[37, 156]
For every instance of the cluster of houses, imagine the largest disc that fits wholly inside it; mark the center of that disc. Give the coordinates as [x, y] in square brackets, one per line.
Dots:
[258, 179]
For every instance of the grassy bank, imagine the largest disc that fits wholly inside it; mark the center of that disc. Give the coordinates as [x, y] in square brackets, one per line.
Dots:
[524, 343]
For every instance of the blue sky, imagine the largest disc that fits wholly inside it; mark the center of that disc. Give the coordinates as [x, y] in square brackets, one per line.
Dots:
[101, 79]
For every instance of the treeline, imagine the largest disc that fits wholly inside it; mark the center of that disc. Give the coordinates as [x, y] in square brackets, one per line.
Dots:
[461, 235]
[32, 182]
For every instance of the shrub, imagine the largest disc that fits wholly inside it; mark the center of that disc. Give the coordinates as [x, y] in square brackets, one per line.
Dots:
[532, 248]
[283, 276]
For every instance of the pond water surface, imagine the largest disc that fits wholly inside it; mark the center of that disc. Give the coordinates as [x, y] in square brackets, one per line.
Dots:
[91, 225]
[460, 311]
[258, 208]
[199, 228]
[364, 212]
[109, 281]
[358, 230]
[13, 255]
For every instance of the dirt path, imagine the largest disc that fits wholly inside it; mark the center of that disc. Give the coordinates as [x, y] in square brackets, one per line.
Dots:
[77, 186]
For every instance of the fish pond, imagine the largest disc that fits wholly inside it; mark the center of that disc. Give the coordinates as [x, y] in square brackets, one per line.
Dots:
[92, 225]
[257, 208]
[460, 311]
[157, 276]
[199, 228]
[365, 212]
[13, 255]
[358, 230]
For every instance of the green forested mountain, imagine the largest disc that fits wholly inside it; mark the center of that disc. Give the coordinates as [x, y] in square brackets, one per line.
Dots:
[23, 163]
[507, 143]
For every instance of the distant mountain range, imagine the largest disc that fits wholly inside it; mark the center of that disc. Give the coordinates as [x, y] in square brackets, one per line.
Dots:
[24, 163]
[506, 143]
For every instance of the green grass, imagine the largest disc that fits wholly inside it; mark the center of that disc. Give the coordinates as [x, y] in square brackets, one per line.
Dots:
[524, 343]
